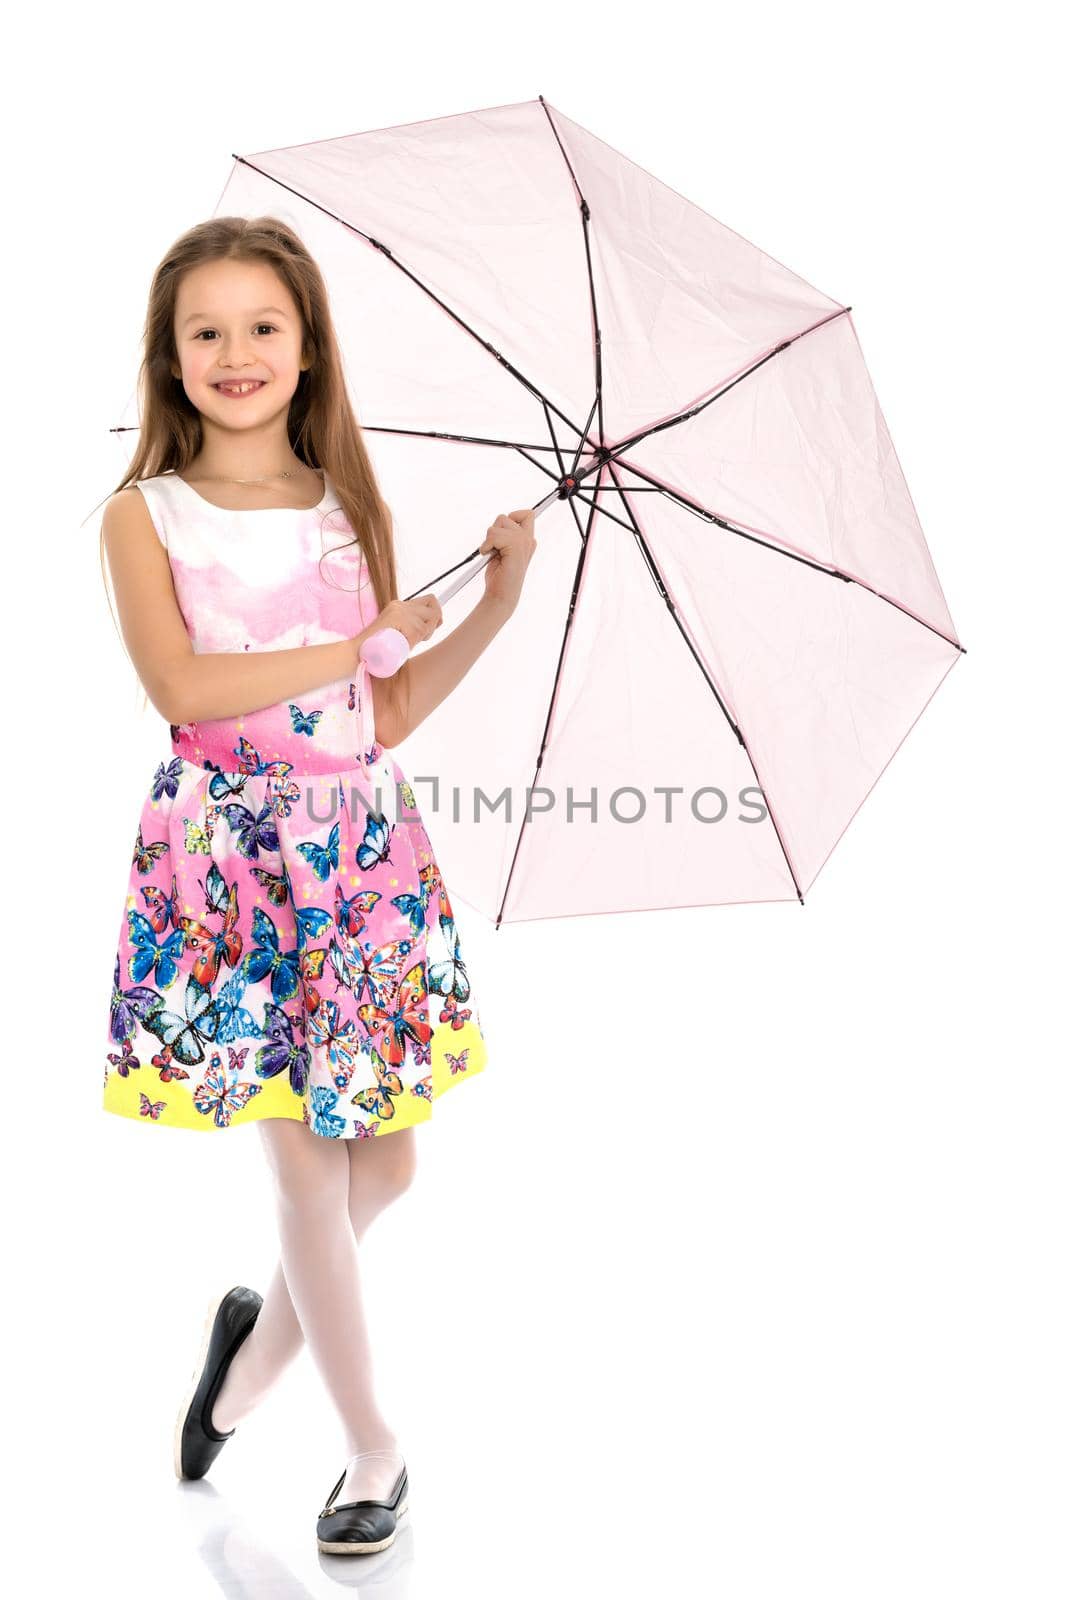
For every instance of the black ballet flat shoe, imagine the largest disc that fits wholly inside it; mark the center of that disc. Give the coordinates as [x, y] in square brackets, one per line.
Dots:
[359, 1527]
[230, 1320]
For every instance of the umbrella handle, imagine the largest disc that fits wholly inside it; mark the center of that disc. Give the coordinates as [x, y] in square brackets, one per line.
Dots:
[447, 591]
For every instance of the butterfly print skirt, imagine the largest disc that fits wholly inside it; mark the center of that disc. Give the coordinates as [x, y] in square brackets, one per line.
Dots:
[288, 949]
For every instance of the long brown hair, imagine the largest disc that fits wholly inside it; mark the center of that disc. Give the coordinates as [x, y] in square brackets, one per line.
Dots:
[322, 427]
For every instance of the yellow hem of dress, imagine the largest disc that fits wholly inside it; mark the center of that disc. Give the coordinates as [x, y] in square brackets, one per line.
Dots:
[122, 1096]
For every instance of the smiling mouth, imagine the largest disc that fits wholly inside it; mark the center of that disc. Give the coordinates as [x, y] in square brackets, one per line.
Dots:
[236, 390]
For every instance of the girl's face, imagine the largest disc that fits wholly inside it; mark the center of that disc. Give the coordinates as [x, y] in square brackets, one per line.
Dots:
[236, 326]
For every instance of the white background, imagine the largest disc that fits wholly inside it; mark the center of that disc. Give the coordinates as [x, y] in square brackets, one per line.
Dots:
[754, 1294]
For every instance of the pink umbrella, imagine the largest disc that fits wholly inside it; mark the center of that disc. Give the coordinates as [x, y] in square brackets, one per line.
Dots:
[732, 619]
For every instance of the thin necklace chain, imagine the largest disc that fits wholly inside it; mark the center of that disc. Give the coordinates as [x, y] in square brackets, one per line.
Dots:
[216, 478]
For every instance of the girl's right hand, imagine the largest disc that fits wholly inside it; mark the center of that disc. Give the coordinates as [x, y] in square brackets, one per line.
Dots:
[416, 619]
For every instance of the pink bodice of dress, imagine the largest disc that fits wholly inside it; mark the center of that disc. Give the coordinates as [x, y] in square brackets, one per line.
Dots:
[270, 579]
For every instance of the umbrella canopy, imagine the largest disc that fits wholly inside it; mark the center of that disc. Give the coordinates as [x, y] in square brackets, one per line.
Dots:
[731, 620]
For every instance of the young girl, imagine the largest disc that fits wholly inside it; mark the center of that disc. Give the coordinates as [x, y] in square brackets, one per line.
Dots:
[288, 953]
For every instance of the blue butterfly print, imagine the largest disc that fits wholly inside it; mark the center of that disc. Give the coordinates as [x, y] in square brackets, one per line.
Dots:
[282, 965]
[415, 906]
[216, 890]
[282, 1053]
[234, 1021]
[186, 1035]
[149, 955]
[129, 1006]
[304, 721]
[323, 1118]
[222, 783]
[449, 977]
[310, 920]
[323, 859]
[375, 846]
[250, 831]
[166, 779]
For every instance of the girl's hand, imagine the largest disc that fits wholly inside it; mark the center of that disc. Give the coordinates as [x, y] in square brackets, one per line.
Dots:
[416, 619]
[513, 537]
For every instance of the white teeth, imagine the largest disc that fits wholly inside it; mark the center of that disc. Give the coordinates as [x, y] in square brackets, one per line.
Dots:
[239, 388]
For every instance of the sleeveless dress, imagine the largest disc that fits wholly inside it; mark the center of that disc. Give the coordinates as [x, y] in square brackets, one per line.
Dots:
[287, 946]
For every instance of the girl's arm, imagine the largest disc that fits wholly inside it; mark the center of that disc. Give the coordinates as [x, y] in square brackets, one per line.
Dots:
[182, 685]
[433, 673]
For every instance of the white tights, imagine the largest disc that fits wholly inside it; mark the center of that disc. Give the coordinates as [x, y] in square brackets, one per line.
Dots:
[328, 1192]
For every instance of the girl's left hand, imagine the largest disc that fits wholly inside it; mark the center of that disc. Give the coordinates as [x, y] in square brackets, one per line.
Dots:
[513, 537]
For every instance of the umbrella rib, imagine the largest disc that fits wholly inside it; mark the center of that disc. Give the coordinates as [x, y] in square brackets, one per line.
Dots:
[596, 409]
[551, 702]
[519, 449]
[582, 533]
[694, 411]
[683, 629]
[601, 489]
[555, 443]
[793, 555]
[460, 438]
[508, 366]
[597, 404]
[584, 436]
[535, 463]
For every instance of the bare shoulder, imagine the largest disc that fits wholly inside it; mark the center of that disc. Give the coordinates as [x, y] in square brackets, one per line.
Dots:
[127, 522]
[126, 505]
